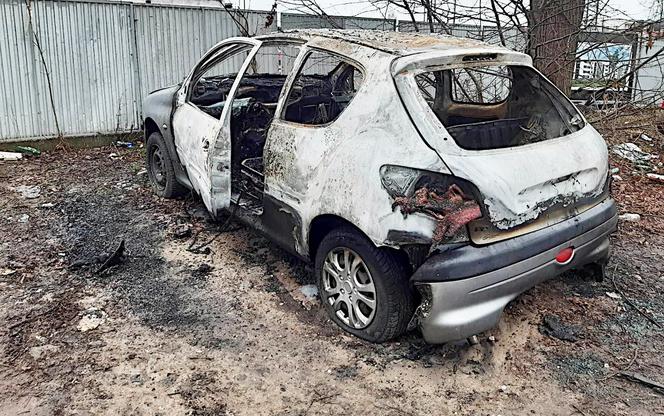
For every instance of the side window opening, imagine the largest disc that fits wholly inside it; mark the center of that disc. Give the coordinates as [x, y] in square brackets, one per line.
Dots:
[324, 87]
[493, 107]
[213, 81]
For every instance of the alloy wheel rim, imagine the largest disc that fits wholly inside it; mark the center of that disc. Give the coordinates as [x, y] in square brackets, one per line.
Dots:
[349, 288]
[157, 167]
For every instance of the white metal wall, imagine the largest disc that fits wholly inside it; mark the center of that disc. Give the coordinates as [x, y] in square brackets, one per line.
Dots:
[649, 82]
[489, 34]
[303, 21]
[172, 39]
[93, 90]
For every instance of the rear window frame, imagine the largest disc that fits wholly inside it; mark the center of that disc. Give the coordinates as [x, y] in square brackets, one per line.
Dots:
[430, 127]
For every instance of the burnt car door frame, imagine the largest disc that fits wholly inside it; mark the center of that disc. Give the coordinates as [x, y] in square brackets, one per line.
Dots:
[203, 143]
[286, 186]
[278, 220]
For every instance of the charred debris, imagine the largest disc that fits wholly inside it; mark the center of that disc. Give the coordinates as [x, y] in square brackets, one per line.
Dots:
[452, 210]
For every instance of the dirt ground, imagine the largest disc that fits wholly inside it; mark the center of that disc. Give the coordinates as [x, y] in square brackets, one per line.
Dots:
[169, 332]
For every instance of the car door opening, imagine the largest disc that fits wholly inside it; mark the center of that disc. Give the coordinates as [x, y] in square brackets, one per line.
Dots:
[320, 92]
[252, 111]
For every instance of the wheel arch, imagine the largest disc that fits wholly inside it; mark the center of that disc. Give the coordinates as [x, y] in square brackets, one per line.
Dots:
[150, 126]
[323, 224]
[391, 286]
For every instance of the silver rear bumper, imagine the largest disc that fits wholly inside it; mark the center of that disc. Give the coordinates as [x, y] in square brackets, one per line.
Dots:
[457, 309]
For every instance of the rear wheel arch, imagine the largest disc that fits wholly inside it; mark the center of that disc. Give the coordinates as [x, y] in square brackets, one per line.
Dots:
[324, 224]
[379, 283]
[321, 226]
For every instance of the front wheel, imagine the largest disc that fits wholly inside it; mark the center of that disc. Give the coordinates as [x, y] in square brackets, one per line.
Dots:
[364, 289]
[160, 168]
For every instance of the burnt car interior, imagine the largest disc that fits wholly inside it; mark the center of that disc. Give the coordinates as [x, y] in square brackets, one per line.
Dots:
[493, 107]
[320, 92]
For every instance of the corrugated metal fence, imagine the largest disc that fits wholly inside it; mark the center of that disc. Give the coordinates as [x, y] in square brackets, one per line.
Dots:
[513, 38]
[101, 58]
[303, 21]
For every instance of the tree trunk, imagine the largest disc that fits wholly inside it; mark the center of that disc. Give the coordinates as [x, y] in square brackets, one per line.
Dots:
[554, 34]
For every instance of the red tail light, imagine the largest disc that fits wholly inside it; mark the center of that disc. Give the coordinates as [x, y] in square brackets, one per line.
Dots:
[565, 255]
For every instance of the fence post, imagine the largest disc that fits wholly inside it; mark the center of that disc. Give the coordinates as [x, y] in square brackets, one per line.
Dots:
[138, 87]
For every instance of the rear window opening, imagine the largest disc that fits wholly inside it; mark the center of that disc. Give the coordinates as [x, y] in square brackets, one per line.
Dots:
[497, 106]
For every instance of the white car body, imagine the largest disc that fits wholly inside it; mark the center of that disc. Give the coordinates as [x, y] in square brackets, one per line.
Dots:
[334, 170]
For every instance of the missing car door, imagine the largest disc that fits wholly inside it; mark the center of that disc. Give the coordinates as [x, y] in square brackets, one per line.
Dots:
[253, 110]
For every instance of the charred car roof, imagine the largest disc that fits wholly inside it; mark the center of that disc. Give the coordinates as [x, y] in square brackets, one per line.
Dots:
[394, 43]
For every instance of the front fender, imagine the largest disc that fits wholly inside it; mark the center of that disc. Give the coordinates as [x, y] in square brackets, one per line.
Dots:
[159, 106]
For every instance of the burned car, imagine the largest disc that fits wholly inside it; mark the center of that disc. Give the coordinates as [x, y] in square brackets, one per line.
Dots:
[430, 179]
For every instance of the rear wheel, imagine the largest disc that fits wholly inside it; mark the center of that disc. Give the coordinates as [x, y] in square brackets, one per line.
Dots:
[160, 168]
[364, 289]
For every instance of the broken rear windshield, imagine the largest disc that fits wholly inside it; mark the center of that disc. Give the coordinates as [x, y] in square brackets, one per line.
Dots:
[492, 107]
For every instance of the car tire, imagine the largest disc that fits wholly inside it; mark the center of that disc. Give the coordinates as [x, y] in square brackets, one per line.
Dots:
[160, 168]
[393, 297]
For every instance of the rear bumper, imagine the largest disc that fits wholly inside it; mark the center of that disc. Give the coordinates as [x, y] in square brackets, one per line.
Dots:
[466, 290]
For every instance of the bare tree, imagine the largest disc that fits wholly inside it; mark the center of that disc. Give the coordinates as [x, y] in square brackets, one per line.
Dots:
[241, 20]
[47, 73]
[554, 36]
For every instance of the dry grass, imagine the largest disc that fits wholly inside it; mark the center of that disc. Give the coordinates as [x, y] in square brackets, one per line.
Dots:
[635, 192]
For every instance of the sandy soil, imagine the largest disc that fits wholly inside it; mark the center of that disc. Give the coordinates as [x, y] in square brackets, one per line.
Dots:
[170, 332]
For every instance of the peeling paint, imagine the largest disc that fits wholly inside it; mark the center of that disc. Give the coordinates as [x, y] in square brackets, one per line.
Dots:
[395, 43]
[517, 183]
[541, 197]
